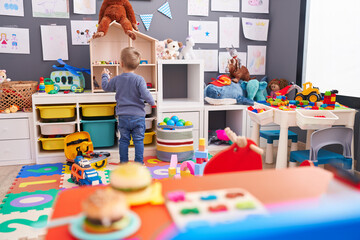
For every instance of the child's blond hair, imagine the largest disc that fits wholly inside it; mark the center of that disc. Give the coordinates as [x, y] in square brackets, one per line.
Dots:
[130, 58]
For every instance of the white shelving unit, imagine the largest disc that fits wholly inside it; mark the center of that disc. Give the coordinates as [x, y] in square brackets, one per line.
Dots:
[53, 156]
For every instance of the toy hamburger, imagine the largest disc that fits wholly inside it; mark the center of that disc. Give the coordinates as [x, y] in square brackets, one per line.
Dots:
[106, 211]
[134, 180]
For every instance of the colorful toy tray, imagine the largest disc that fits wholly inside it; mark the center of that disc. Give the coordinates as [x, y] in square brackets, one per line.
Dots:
[98, 110]
[315, 119]
[52, 143]
[264, 117]
[57, 111]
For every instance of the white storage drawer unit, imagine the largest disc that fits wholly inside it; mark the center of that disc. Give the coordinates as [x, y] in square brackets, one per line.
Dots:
[14, 128]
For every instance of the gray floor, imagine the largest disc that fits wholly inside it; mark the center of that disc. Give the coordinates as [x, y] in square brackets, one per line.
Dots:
[7, 177]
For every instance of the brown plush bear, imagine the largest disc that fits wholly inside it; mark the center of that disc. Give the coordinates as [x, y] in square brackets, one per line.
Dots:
[236, 74]
[122, 12]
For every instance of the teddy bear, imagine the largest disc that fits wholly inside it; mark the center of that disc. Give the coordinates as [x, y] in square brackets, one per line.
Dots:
[120, 11]
[172, 49]
[187, 52]
[160, 49]
[3, 76]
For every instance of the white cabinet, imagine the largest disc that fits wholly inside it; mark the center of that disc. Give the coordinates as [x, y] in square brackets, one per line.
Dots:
[16, 139]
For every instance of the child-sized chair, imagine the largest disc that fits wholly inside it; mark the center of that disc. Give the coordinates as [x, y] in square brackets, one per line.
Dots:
[270, 136]
[324, 137]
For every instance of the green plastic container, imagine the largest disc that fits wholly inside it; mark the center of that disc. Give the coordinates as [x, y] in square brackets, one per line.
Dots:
[102, 132]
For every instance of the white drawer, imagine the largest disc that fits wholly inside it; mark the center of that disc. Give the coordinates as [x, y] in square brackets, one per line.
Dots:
[15, 149]
[14, 129]
[194, 117]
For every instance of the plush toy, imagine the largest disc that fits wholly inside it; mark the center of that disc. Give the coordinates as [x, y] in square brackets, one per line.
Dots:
[256, 90]
[187, 52]
[236, 74]
[3, 76]
[172, 49]
[160, 49]
[276, 85]
[224, 91]
[120, 11]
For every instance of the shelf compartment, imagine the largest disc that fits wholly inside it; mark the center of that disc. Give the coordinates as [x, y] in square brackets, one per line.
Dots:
[61, 128]
[52, 143]
[98, 110]
[102, 132]
[57, 111]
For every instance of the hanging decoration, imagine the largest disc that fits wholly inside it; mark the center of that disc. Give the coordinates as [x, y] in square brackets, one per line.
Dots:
[165, 9]
[147, 18]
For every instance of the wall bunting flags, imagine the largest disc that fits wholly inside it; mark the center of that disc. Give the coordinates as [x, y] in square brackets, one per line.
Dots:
[146, 19]
[165, 9]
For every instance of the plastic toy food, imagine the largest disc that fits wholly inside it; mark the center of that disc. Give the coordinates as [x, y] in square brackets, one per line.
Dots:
[106, 211]
[134, 180]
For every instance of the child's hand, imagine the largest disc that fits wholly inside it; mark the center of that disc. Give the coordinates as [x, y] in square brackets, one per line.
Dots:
[106, 71]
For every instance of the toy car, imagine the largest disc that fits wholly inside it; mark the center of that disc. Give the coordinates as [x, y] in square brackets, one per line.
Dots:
[79, 90]
[83, 174]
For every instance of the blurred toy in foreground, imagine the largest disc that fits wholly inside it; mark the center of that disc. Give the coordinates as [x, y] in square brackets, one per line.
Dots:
[120, 11]
[187, 51]
[3, 77]
[276, 85]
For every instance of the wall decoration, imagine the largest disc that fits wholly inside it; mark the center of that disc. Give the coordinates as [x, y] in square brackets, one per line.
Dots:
[225, 56]
[225, 5]
[256, 60]
[255, 6]
[210, 58]
[14, 40]
[50, 8]
[85, 6]
[255, 29]
[165, 9]
[82, 31]
[204, 31]
[146, 19]
[12, 7]
[229, 32]
[198, 7]
[54, 42]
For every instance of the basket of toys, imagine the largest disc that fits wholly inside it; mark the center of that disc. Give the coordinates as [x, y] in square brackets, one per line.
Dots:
[315, 119]
[262, 115]
[17, 93]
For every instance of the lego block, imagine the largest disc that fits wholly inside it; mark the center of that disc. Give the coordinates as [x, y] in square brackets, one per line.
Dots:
[201, 160]
[22, 202]
[173, 160]
[41, 170]
[172, 171]
[199, 169]
[200, 154]
[31, 184]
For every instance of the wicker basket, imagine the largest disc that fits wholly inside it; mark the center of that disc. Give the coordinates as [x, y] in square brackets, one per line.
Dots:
[17, 92]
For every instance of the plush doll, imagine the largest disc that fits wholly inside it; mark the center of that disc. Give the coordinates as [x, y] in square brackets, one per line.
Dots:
[276, 85]
[120, 11]
[187, 52]
[172, 49]
[3, 76]
[256, 90]
[236, 74]
[160, 49]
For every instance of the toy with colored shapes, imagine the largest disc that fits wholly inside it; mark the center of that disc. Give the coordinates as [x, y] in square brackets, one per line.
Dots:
[143, 61]
[149, 85]
[82, 173]
[211, 207]
[41, 85]
[49, 85]
[173, 164]
[187, 169]
[309, 93]
[201, 154]
[330, 99]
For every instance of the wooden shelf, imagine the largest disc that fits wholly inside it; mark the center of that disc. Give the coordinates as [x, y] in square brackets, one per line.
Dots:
[106, 65]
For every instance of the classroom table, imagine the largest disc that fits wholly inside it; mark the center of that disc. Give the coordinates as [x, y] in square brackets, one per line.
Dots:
[287, 119]
[273, 187]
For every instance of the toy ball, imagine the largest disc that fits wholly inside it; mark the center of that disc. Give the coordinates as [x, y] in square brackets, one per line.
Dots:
[178, 123]
[170, 122]
[162, 123]
[182, 120]
[188, 123]
[175, 118]
[166, 119]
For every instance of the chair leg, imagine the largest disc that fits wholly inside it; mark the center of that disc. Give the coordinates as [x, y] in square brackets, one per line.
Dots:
[294, 146]
[269, 158]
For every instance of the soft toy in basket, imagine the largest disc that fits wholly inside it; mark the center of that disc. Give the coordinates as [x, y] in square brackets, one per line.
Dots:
[17, 93]
[174, 136]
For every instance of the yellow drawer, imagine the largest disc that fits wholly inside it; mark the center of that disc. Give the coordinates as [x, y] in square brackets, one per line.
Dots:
[57, 111]
[52, 143]
[98, 110]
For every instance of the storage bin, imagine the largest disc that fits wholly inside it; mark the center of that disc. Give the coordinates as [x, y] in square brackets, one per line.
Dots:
[57, 111]
[148, 122]
[60, 128]
[52, 143]
[315, 119]
[148, 138]
[98, 110]
[102, 132]
[148, 109]
[263, 118]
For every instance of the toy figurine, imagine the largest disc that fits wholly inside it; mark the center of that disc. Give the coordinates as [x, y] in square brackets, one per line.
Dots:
[276, 85]
[3, 77]
[187, 51]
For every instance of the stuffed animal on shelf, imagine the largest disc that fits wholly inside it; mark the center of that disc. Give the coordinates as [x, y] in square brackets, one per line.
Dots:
[276, 85]
[160, 49]
[224, 91]
[236, 74]
[256, 90]
[187, 52]
[3, 77]
[120, 11]
[172, 49]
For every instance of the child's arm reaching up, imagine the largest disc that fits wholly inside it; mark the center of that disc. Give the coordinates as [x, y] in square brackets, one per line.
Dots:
[106, 84]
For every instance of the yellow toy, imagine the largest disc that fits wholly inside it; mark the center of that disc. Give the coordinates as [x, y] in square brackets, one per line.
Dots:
[81, 141]
[309, 93]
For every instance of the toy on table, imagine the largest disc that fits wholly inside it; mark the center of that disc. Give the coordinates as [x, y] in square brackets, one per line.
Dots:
[106, 216]
[187, 52]
[329, 99]
[120, 11]
[255, 89]
[3, 77]
[276, 85]
[310, 93]
[68, 77]
[135, 181]
[206, 208]
[82, 173]
[42, 85]
[241, 156]
[82, 141]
